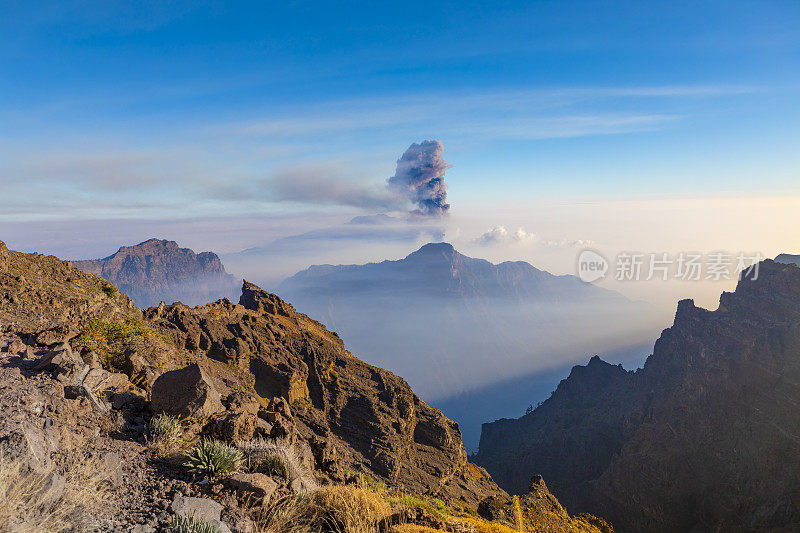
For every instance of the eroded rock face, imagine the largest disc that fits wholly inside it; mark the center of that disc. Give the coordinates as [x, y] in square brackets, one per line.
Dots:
[703, 437]
[369, 415]
[159, 270]
[594, 400]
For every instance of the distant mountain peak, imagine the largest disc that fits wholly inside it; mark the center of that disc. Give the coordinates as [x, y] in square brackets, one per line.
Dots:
[153, 243]
[159, 269]
[435, 249]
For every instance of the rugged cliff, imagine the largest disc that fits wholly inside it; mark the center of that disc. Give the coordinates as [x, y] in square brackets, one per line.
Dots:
[159, 270]
[703, 438]
[370, 416]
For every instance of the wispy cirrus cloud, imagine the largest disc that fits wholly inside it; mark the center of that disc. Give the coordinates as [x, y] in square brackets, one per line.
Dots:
[525, 114]
[330, 153]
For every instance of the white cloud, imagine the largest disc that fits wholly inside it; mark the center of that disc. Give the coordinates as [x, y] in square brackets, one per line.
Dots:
[501, 235]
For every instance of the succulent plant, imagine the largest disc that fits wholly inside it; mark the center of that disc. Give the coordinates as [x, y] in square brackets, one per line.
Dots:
[212, 458]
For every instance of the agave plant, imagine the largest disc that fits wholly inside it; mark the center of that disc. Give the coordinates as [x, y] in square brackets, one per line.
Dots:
[212, 458]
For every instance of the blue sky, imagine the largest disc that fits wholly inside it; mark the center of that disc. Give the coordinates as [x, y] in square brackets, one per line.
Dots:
[154, 114]
[542, 96]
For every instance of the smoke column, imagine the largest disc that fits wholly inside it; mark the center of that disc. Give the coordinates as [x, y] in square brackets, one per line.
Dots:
[420, 177]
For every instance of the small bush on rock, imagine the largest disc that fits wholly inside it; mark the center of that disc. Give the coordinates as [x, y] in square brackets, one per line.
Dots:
[191, 524]
[109, 339]
[212, 458]
[111, 290]
[164, 430]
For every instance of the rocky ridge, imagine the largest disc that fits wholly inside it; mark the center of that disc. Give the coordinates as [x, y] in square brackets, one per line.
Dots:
[249, 373]
[701, 439]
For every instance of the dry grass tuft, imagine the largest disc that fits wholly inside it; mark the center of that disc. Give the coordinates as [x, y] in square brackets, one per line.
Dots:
[335, 508]
[517, 512]
[46, 502]
[412, 528]
[348, 509]
[286, 515]
[482, 526]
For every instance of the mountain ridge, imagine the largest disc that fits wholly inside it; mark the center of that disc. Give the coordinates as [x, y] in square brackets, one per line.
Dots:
[252, 374]
[700, 437]
[451, 324]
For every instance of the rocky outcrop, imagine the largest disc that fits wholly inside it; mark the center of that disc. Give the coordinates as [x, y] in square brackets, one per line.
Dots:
[702, 438]
[159, 270]
[577, 431]
[370, 416]
[186, 393]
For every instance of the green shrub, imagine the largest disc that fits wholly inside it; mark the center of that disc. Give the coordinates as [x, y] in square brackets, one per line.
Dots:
[403, 500]
[191, 524]
[109, 339]
[212, 458]
[164, 430]
[469, 510]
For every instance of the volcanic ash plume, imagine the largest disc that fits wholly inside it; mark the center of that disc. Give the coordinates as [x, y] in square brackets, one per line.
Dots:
[420, 177]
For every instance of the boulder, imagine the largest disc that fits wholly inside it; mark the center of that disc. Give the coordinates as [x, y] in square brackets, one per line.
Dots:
[55, 335]
[91, 359]
[31, 445]
[208, 510]
[104, 384]
[186, 393]
[233, 426]
[111, 464]
[247, 486]
[139, 370]
[67, 366]
[238, 521]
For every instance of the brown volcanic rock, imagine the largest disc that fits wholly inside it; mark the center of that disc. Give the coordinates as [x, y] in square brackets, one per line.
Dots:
[704, 438]
[187, 392]
[371, 416]
[159, 270]
[44, 295]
